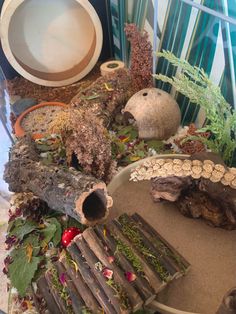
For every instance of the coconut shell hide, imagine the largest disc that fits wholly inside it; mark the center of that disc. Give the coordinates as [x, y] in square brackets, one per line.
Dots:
[156, 113]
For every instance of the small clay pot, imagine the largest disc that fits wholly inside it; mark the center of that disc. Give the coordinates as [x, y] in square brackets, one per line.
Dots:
[19, 131]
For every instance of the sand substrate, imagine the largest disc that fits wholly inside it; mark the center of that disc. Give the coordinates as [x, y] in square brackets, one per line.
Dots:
[210, 251]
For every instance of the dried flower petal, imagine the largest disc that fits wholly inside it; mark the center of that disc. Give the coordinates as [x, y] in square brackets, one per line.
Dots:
[123, 138]
[29, 252]
[111, 259]
[108, 273]
[130, 276]
[62, 278]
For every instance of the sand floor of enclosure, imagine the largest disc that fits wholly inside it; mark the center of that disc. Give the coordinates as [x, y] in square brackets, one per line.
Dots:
[210, 251]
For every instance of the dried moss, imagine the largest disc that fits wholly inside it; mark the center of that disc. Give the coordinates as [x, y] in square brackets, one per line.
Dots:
[130, 230]
[167, 252]
[129, 254]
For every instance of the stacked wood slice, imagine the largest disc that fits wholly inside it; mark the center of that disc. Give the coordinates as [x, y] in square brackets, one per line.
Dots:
[117, 268]
[184, 168]
[200, 187]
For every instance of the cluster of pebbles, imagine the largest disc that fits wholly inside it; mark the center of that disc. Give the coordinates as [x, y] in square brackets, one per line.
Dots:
[184, 167]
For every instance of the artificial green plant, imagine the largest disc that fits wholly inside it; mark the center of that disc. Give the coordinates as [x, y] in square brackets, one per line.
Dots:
[195, 84]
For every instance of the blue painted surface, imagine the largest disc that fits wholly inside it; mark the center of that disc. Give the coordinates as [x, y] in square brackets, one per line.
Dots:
[5, 140]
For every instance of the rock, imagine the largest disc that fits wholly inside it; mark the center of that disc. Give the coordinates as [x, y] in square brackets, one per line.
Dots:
[23, 104]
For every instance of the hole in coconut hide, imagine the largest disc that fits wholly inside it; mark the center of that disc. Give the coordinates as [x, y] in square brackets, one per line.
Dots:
[127, 117]
[95, 205]
[145, 94]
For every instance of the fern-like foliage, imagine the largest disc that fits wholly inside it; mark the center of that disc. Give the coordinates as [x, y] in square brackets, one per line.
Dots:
[195, 84]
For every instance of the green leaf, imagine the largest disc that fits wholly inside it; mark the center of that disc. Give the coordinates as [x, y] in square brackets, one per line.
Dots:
[22, 228]
[43, 147]
[15, 223]
[48, 234]
[57, 236]
[47, 160]
[130, 131]
[22, 272]
[33, 239]
[121, 147]
[74, 223]
[141, 153]
[155, 144]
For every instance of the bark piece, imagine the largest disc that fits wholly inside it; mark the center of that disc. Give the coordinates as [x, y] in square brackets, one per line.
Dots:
[82, 288]
[106, 96]
[224, 197]
[141, 284]
[54, 292]
[77, 302]
[164, 264]
[150, 274]
[96, 246]
[169, 188]
[47, 295]
[161, 244]
[92, 260]
[228, 305]
[69, 191]
[90, 280]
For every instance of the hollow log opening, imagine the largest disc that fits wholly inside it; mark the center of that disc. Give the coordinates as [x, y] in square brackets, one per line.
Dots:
[95, 205]
[75, 162]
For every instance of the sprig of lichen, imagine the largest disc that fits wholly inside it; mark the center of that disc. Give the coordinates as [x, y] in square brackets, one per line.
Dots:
[134, 236]
[194, 83]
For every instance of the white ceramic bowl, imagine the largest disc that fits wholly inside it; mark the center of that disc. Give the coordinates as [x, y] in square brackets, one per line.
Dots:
[51, 42]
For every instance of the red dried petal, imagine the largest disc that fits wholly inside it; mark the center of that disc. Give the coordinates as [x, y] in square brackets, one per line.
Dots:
[62, 278]
[111, 259]
[130, 276]
[108, 273]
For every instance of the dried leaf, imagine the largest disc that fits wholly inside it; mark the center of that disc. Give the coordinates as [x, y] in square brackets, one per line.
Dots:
[90, 97]
[75, 265]
[108, 87]
[134, 158]
[29, 252]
